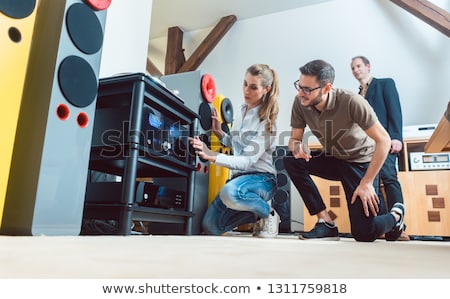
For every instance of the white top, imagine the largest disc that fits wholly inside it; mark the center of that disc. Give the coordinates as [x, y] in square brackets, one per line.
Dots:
[252, 146]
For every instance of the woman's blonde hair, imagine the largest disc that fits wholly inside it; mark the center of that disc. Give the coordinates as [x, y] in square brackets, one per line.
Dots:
[269, 106]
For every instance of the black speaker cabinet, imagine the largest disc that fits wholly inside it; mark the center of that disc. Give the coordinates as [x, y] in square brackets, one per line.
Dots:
[46, 190]
[282, 199]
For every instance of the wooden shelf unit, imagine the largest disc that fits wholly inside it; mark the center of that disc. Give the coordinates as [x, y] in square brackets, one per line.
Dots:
[134, 156]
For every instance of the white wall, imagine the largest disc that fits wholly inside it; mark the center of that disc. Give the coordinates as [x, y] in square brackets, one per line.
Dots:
[398, 44]
[126, 37]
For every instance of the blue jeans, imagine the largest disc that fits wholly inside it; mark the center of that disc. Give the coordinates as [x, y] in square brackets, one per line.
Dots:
[363, 228]
[242, 200]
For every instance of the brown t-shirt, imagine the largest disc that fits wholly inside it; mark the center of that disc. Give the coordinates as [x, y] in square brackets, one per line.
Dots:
[340, 126]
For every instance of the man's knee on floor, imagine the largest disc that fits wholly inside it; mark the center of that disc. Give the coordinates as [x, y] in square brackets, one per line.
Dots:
[363, 235]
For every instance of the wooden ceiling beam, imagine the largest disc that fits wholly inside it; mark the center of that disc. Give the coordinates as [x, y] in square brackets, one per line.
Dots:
[175, 52]
[152, 69]
[428, 12]
[208, 44]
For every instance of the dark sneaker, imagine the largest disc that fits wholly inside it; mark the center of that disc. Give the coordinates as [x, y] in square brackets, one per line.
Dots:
[322, 231]
[99, 227]
[404, 236]
[400, 226]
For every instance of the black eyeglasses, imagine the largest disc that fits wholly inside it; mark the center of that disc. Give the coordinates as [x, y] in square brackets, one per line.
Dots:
[306, 90]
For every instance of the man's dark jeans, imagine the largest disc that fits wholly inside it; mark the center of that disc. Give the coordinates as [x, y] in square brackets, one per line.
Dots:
[363, 228]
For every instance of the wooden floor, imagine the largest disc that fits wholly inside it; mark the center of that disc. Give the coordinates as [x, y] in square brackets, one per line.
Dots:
[232, 256]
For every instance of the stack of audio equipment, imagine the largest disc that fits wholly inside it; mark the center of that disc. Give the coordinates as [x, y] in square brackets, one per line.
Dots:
[141, 132]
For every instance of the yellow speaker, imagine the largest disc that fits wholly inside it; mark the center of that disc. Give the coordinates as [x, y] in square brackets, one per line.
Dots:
[17, 20]
[49, 164]
[218, 175]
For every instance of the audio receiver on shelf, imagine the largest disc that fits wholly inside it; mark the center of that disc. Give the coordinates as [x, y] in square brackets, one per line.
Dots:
[160, 135]
[429, 161]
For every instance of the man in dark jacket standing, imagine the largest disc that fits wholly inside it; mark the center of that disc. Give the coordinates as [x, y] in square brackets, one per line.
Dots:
[382, 95]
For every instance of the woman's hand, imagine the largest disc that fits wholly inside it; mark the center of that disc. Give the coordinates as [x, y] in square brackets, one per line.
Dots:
[216, 125]
[202, 150]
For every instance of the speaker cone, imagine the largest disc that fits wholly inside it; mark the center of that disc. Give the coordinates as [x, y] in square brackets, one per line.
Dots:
[226, 108]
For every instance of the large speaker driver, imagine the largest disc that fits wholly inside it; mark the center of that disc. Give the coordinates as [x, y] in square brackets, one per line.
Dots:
[208, 87]
[205, 112]
[226, 109]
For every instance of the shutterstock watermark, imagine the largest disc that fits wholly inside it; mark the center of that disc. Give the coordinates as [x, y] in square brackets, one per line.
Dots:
[174, 141]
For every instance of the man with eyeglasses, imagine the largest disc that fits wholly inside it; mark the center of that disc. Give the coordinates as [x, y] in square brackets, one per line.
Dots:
[382, 95]
[355, 146]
